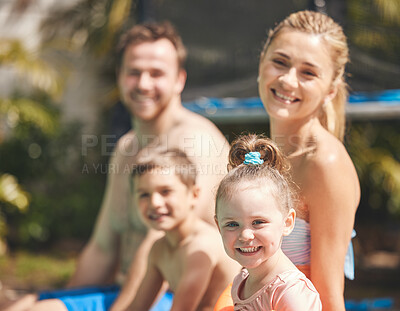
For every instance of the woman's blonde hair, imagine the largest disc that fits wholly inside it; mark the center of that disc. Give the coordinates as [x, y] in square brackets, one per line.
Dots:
[333, 113]
[273, 174]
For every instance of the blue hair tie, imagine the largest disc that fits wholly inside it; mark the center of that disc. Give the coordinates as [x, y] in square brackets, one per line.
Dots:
[253, 158]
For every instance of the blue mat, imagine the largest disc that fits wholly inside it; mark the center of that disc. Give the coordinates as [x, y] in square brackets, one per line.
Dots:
[369, 304]
[165, 303]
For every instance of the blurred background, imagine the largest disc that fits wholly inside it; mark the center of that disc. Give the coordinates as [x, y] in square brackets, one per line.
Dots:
[60, 117]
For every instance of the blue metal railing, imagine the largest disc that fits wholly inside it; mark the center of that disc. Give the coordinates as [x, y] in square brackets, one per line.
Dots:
[362, 105]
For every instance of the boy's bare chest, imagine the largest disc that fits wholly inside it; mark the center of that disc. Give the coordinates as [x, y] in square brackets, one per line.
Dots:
[171, 265]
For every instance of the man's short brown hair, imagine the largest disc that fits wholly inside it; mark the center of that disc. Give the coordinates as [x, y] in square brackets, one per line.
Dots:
[150, 32]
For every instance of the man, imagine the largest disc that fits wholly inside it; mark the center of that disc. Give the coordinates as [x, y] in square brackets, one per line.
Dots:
[151, 78]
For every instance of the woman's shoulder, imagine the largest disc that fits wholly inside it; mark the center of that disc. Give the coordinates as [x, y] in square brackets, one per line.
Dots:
[329, 154]
[196, 125]
[329, 167]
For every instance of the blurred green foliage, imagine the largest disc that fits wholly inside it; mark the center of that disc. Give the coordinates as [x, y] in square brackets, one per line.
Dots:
[30, 67]
[373, 25]
[37, 272]
[91, 24]
[18, 112]
[374, 147]
[39, 152]
[64, 201]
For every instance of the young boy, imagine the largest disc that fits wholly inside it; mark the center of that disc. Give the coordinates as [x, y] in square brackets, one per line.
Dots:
[190, 256]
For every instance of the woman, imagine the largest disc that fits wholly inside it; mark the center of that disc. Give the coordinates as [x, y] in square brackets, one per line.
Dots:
[301, 84]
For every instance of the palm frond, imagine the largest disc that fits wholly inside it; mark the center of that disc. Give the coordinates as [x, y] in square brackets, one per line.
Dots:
[371, 38]
[118, 14]
[377, 167]
[87, 23]
[115, 19]
[12, 193]
[29, 110]
[374, 26]
[28, 65]
[63, 22]
[389, 10]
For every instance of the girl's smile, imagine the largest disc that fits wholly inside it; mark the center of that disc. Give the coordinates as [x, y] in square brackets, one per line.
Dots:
[252, 224]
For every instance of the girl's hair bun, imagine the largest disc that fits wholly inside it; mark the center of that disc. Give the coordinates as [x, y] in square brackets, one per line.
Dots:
[273, 174]
[270, 152]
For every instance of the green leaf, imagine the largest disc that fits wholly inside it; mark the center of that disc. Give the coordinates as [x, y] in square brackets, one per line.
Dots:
[12, 193]
[28, 65]
[29, 110]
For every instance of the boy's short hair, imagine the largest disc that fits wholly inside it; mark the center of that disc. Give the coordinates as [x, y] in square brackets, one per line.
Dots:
[150, 32]
[163, 160]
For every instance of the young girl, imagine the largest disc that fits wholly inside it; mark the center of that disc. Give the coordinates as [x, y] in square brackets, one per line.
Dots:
[254, 210]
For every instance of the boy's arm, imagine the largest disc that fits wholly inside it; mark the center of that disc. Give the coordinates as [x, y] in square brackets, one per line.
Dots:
[198, 269]
[150, 286]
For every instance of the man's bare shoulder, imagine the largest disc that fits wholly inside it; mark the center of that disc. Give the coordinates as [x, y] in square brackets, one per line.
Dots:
[126, 149]
[195, 123]
[127, 142]
[198, 136]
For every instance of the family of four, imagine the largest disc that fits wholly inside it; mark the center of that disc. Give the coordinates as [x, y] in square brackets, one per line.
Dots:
[264, 224]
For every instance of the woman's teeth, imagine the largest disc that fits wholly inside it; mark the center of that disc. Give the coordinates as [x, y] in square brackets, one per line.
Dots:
[285, 97]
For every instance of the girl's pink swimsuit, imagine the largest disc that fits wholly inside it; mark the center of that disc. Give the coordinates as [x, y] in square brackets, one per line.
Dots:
[288, 291]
